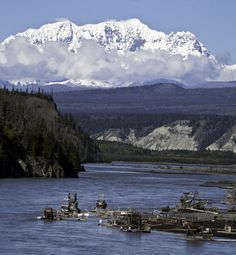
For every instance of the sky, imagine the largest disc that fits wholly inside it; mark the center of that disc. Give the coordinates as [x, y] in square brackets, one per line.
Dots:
[213, 21]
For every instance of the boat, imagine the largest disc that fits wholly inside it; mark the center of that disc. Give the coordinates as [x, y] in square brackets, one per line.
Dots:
[69, 210]
[231, 196]
[69, 207]
[228, 232]
[49, 214]
[133, 222]
[144, 229]
[101, 203]
[200, 234]
[189, 201]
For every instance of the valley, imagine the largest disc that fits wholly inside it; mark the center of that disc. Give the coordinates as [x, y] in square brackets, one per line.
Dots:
[160, 117]
[117, 127]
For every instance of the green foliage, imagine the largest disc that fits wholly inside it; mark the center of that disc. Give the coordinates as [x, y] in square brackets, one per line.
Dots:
[158, 99]
[30, 126]
[95, 123]
[9, 153]
[113, 151]
[206, 128]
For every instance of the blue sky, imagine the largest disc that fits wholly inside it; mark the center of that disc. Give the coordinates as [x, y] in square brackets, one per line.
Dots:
[213, 21]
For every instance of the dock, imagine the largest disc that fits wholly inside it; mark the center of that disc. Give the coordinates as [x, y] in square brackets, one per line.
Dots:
[190, 216]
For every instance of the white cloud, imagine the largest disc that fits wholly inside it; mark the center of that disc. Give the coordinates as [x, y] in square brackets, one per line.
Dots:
[228, 73]
[60, 19]
[20, 60]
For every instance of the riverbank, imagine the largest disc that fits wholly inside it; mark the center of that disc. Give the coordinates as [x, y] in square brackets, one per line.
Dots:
[171, 168]
[200, 169]
[114, 151]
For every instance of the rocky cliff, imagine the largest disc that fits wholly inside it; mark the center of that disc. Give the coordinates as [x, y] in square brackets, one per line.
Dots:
[181, 134]
[227, 142]
[35, 140]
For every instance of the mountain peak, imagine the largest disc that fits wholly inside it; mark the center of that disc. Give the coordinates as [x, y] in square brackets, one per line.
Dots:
[62, 21]
[124, 36]
[134, 23]
[50, 26]
[58, 24]
[138, 52]
[61, 30]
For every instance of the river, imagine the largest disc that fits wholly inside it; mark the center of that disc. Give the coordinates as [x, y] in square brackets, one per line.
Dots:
[124, 185]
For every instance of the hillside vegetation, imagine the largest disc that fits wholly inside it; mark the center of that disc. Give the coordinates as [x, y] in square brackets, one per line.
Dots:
[160, 117]
[113, 151]
[149, 99]
[35, 140]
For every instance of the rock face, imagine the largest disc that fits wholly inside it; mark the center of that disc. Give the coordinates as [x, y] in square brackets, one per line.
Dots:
[39, 167]
[178, 135]
[118, 135]
[227, 142]
[174, 136]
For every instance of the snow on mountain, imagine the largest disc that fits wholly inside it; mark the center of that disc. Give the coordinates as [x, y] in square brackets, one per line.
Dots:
[86, 82]
[108, 54]
[128, 35]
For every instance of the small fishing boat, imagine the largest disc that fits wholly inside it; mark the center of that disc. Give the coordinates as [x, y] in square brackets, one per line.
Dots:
[200, 234]
[69, 210]
[101, 202]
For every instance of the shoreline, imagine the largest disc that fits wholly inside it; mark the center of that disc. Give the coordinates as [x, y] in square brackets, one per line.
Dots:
[175, 168]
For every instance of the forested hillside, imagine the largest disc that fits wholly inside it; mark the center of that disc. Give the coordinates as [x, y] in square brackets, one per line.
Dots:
[164, 131]
[144, 123]
[158, 98]
[35, 140]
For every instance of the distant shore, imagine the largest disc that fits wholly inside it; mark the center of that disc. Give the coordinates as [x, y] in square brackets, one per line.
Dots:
[175, 168]
[198, 168]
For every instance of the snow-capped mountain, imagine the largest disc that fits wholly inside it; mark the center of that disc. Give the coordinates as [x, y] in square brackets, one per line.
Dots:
[128, 35]
[108, 54]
